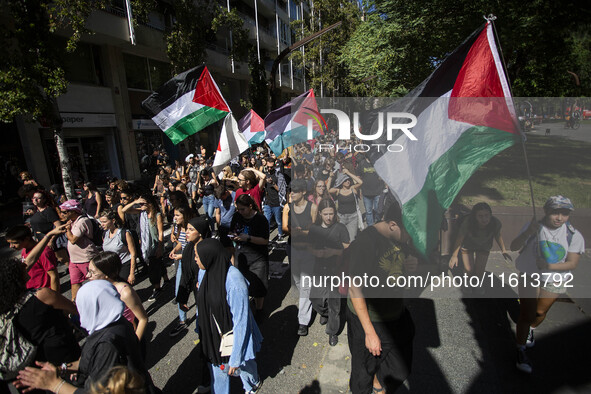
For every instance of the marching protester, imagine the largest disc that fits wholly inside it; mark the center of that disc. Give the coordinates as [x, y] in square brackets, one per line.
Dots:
[45, 217]
[298, 217]
[43, 272]
[107, 265]
[152, 240]
[345, 189]
[475, 240]
[329, 238]
[250, 232]
[182, 217]
[119, 240]
[380, 329]
[81, 248]
[111, 342]
[223, 304]
[550, 250]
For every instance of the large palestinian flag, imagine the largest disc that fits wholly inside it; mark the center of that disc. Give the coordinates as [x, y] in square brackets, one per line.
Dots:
[186, 104]
[465, 117]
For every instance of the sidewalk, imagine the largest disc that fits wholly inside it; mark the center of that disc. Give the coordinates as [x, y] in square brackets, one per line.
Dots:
[461, 346]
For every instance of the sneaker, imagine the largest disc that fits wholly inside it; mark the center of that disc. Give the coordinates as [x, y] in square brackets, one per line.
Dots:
[256, 388]
[155, 293]
[281, 239]
[523, 363]
[530, 342]
[323, 320]
[302, 330]
[182, 326]
[203, 389]
[333, 340]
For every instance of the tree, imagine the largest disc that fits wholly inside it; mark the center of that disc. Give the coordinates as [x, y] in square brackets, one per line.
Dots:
[31, 71]
[541, 41]
[324, 72]
[197, 22]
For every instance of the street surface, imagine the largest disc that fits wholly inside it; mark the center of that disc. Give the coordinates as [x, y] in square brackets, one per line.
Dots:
[461, 345]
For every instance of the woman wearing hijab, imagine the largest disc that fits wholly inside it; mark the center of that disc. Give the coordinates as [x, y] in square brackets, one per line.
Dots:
[111, 342]
[223, 302]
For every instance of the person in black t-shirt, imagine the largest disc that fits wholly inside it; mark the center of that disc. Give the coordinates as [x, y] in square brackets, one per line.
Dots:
[250, 232]
[46, 218]
[380, 330]
[328, 238]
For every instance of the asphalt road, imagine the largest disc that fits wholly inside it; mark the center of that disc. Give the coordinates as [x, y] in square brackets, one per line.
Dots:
[583, 133]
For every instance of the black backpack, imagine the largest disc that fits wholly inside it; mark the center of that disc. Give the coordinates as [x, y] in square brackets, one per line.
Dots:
[97, 232]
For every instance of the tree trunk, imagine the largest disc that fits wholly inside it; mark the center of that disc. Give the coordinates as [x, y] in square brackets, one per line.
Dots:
[56, 126]
[64, 163]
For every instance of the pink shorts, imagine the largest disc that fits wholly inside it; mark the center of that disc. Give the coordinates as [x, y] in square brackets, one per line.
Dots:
[78, 272]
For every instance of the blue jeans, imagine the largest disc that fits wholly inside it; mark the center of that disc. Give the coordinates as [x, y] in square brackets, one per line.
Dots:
[274, 211]
[209, 209]
[182, 313]
[221, 380]
[371, 205]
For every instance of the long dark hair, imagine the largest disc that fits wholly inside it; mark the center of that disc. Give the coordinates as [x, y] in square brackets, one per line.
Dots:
[247, 201]
[473, 223]
[323, 204]
[187, 215]
[109, 264]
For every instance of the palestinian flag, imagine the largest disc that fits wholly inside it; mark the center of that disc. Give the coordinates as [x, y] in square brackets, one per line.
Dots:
[465, 116]
[252, 126]
[288, 125]
[186, 104]
[231, 144]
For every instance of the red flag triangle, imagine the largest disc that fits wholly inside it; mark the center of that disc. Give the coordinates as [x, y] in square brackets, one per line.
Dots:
[208, 94]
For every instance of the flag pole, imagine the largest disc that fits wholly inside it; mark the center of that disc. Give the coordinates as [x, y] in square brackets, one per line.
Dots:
[491, 18]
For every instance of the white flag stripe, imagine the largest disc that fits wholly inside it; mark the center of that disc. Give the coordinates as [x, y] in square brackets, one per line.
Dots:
[417, 156]
[232, 143]
[182, 107]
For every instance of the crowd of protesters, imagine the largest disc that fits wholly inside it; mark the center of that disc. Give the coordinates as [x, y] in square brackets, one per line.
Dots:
[330, 209]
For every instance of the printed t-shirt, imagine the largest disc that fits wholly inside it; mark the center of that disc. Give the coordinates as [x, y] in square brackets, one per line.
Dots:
[552, 246]
[257, 226]
[372, 254]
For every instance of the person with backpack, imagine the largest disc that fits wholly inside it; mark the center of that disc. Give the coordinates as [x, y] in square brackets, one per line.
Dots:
[550, 250]
[475, 240]
[119, 240]
[80, 231]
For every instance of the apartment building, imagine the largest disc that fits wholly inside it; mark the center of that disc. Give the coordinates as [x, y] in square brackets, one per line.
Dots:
[113, 70]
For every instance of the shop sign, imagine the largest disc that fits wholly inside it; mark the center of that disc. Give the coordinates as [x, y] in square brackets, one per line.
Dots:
[80, 120]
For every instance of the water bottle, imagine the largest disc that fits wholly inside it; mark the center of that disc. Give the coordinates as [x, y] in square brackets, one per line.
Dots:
[223, 367]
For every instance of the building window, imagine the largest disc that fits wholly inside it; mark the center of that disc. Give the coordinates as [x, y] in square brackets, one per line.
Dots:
[145, 74]
[136, 72]
[83, 65]
[159, 73]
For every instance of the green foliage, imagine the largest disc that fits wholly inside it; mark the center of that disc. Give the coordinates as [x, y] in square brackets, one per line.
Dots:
[258, 90]
[197, 23]
[31, 74]
[401, 42]
[321, 56]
